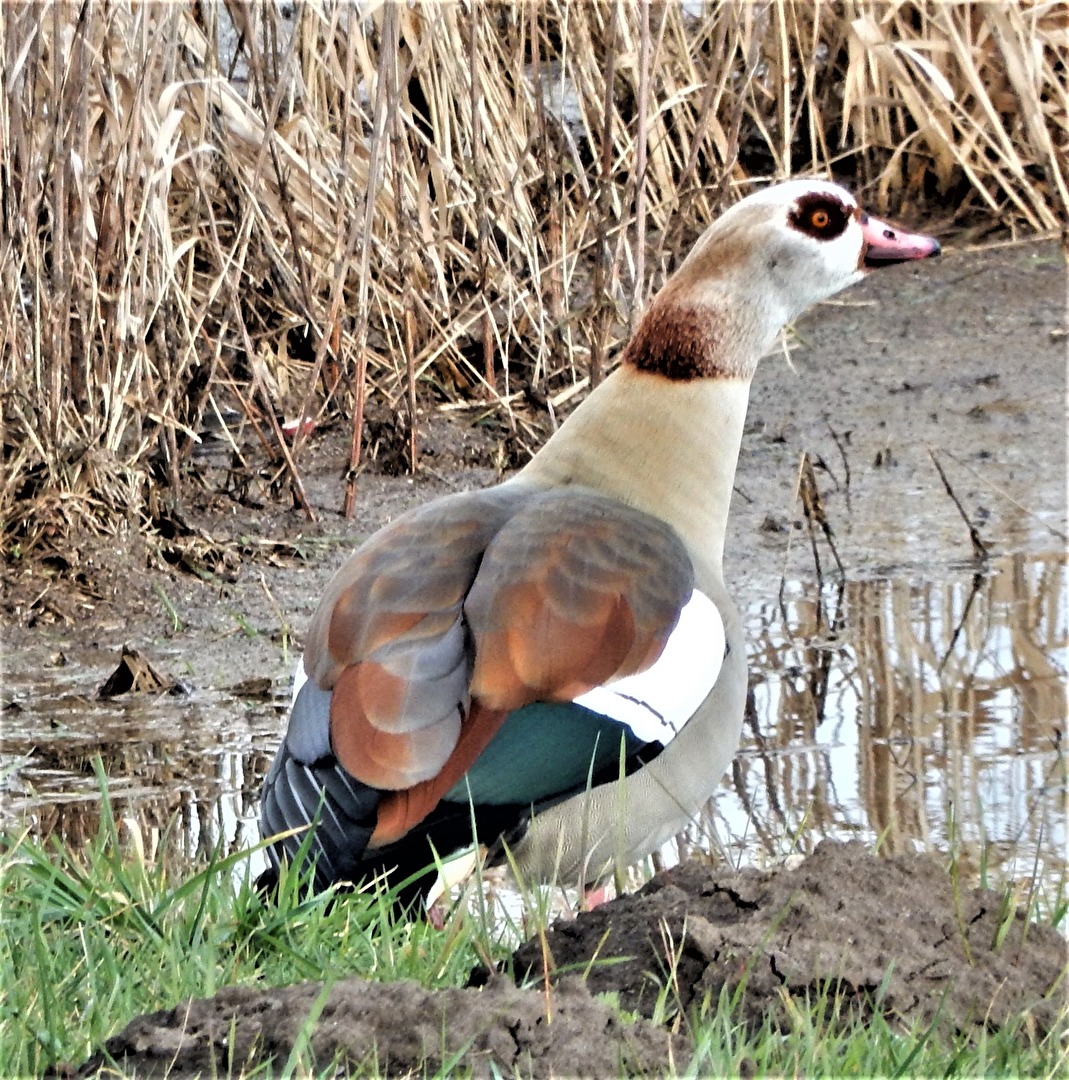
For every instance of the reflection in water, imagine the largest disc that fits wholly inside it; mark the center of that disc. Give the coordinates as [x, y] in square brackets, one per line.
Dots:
[927, 715]
[918, 714]
[187, 766]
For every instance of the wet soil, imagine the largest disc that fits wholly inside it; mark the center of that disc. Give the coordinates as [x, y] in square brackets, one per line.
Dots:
[866, 934]
[881, 934]
[395, 1029]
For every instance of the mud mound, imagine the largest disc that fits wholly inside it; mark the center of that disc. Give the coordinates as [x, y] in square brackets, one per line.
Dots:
[885, 934]
[880, 933]
[392, 1029]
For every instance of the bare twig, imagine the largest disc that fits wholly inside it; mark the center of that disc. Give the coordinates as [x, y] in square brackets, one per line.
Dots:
[385, 74]
[1002, 493]
[638, 300]
[979, 548]
[840, 441]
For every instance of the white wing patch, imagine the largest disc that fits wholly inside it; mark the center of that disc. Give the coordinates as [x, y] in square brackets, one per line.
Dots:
[657, 702]
[300, 677]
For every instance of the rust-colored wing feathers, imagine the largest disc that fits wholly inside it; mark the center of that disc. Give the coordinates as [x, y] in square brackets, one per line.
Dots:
[408, 581]
[401, 810]
[473, 606]
[389, 640]
[542, 653]
[381, 758]
[571, 594]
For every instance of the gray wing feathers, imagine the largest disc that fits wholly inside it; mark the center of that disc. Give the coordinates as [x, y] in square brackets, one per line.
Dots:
[308, 735]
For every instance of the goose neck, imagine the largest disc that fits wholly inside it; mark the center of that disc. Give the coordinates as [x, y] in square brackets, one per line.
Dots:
[667, 446]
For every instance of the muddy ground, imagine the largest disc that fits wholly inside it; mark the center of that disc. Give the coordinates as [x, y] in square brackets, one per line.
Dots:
[893, 936]
[964, 357]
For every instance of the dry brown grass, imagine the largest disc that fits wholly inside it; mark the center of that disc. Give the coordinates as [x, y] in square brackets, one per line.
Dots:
[387, 206]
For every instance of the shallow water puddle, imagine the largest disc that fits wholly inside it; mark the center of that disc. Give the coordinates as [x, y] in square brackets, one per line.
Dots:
[186, 763]
[922, 715]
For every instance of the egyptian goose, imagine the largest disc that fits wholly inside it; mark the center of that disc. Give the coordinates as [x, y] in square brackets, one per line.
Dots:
[556, 659]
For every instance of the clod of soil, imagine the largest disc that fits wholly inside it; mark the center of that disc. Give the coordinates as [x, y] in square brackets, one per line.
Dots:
[888, 934]
[393, 1029]
[135, 675]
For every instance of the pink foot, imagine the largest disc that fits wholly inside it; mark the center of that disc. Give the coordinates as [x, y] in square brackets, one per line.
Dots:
[436, 915]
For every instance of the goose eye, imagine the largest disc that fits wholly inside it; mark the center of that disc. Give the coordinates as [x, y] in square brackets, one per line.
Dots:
[819, 216]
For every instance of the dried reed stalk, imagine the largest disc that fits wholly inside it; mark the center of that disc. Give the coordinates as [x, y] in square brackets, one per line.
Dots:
[214, 204]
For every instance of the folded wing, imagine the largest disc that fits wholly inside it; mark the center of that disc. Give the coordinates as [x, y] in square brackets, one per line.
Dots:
[464, 611]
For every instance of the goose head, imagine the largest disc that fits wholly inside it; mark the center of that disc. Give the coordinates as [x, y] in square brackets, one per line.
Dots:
[759, 266]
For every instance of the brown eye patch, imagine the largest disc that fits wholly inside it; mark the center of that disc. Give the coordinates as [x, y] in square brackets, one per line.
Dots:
[820, 216]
